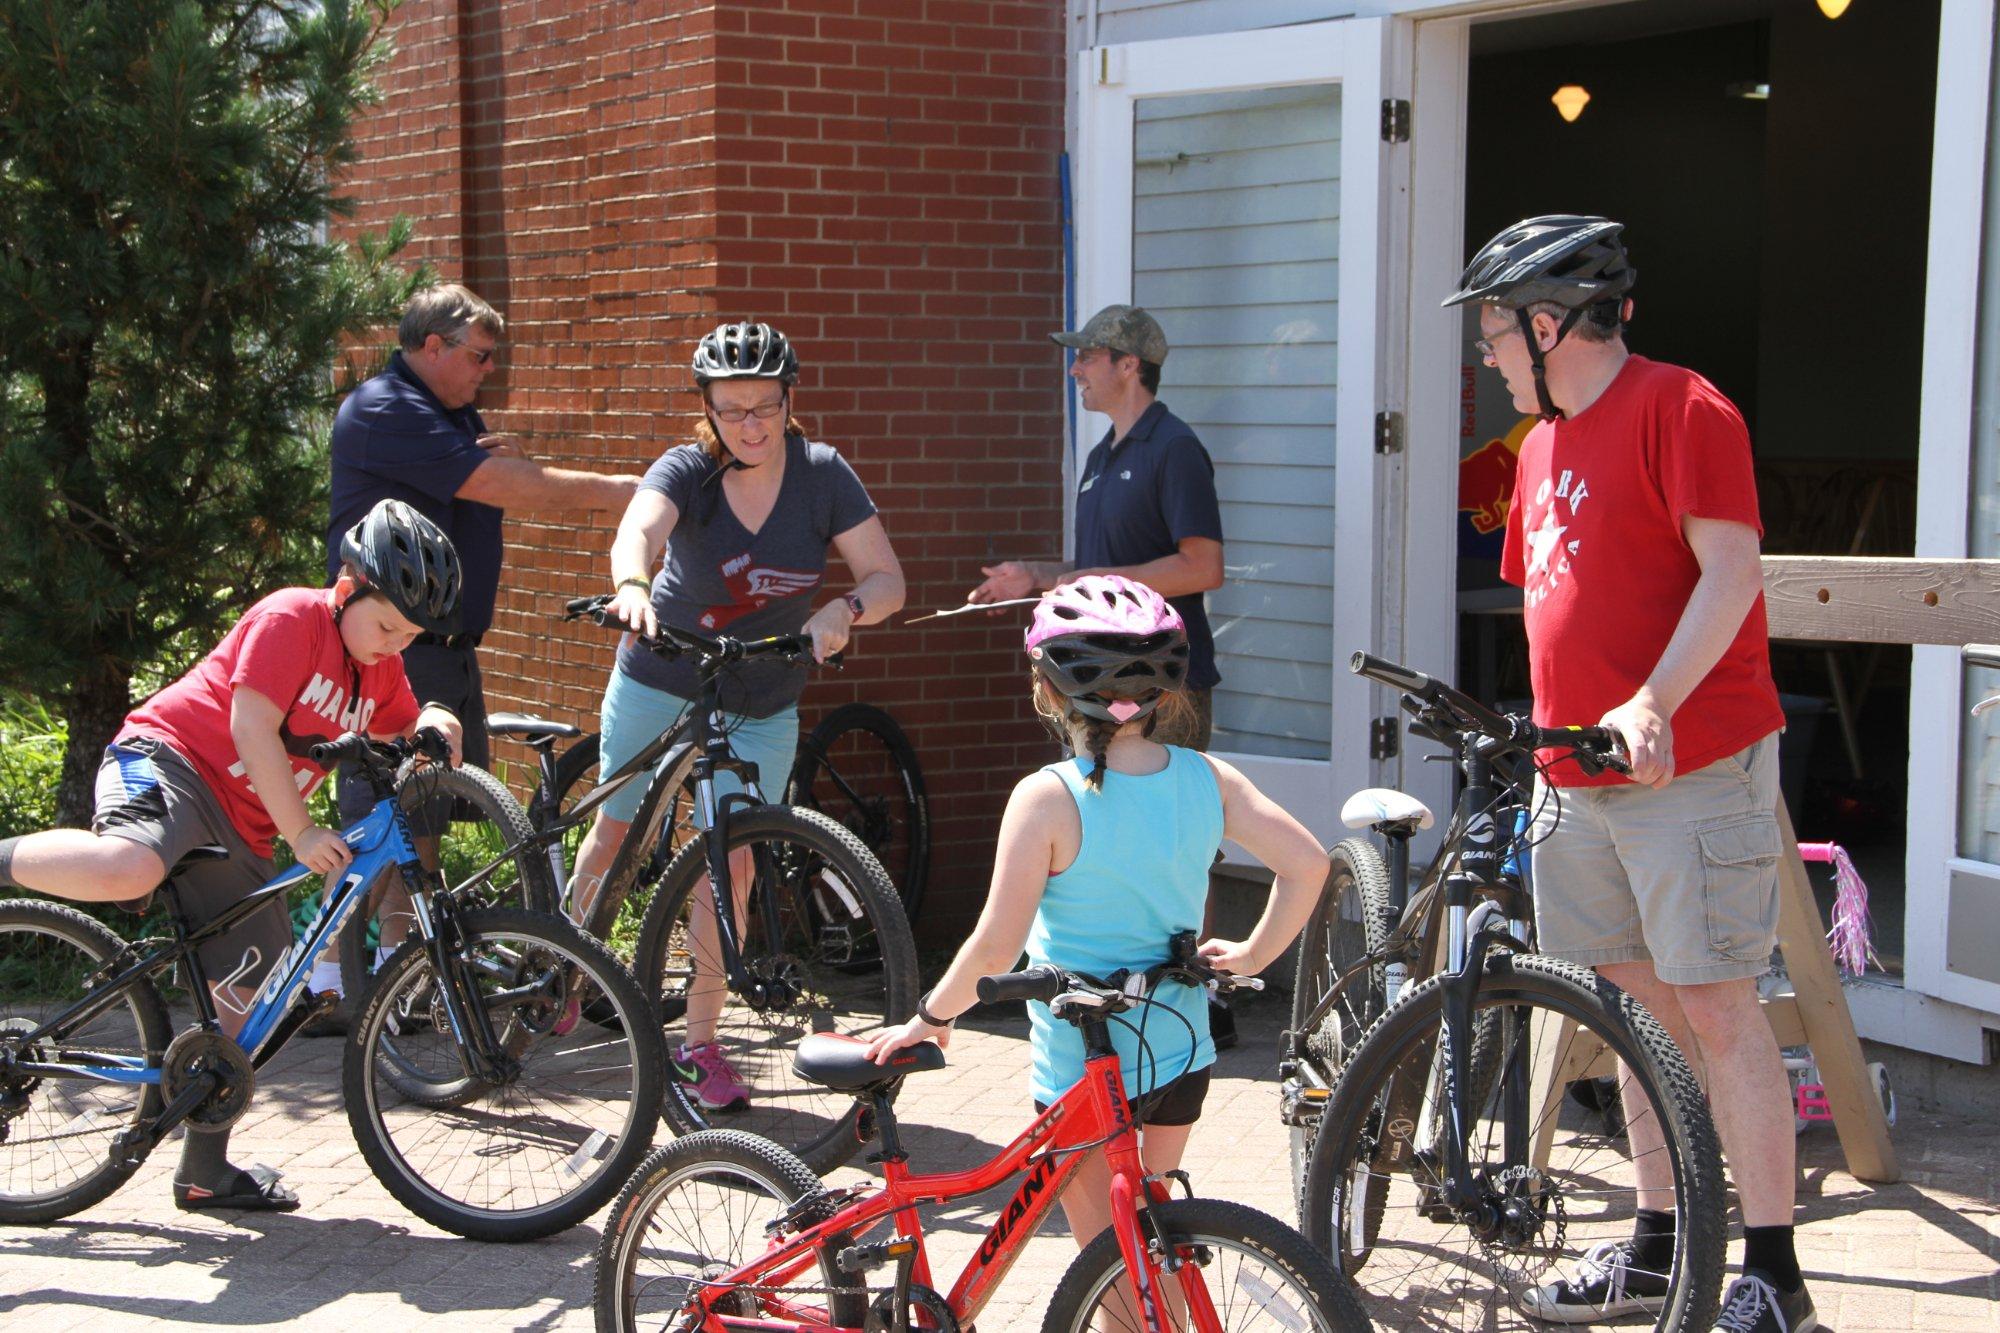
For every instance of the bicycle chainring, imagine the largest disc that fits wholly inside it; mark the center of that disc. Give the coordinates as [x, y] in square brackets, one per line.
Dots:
[196, 1052]
[1533, 1229]
[882, 1313]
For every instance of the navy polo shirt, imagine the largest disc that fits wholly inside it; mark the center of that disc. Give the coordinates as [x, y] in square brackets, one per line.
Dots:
[1139, 497]
[393, 440]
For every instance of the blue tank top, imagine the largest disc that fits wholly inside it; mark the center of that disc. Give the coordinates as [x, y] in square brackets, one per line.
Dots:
[1140, 875]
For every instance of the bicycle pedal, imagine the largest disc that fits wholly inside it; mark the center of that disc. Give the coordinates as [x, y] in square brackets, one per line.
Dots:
[867, 1258]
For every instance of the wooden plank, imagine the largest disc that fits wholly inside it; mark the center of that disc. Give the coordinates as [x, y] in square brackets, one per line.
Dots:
[1882, 599]
[1828, 1026]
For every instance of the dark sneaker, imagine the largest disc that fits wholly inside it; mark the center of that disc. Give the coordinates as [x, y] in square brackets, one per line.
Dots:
[1605, 1285]
[1753, 1304]
[707, 1071]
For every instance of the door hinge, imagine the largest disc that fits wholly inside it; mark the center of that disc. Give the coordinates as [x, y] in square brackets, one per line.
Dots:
[1395, 120]
[1388, 432]
[1382, 738]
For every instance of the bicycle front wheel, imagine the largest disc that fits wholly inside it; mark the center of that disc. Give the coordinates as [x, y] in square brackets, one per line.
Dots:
[57, 1133]
[698, 1209]
[1241, 1269]
[551, 1140]
[860, 770]
[1351, 924]
[825, 948]
[525, 880]
[1551, 1187]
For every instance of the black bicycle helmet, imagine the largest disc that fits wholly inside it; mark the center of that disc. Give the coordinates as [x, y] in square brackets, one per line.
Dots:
[410, 561]
[1575, 262]
[745, 351]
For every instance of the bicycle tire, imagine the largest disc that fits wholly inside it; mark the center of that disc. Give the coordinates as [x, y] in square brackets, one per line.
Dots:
[1387, 1248]
[524, 881]
[875, 794]
[753, 1181]
[1294, 1286]
[47, 952]
[1352, 921]
[826, 882]
[516, 1128]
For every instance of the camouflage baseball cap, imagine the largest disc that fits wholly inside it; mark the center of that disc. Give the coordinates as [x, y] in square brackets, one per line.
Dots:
[1122, 328]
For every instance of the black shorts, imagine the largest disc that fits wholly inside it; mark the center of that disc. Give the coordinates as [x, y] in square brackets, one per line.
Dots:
[438, 675]
[1179, 1103]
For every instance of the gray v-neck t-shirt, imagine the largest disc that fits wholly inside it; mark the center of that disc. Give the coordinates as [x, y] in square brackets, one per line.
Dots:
[720, 578]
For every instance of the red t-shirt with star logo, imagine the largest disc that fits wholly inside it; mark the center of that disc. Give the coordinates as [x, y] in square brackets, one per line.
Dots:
[1594, 540]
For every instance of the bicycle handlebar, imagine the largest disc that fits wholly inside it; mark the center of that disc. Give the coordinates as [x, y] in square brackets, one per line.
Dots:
[672, 641]
[1040, 982]
[428, 742]
[1045, 982]
[1448, 716]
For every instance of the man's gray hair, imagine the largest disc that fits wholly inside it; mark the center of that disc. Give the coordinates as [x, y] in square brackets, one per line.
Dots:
[1589, 328]
[445, 310]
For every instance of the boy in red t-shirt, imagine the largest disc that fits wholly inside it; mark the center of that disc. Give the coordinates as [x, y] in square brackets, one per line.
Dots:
[1634, 535]
[222, 756]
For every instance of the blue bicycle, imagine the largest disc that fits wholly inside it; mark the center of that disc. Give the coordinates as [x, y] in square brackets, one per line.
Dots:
[474, 1103]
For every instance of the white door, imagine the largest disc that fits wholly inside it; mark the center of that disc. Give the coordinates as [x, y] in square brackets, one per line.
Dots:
[1232, 186]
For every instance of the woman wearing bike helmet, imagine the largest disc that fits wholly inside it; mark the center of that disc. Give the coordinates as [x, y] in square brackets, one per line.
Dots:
[1105, 856]
[745, 517]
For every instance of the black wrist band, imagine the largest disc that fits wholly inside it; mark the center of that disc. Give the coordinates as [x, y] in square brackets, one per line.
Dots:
[643, 585]
[924, 1012]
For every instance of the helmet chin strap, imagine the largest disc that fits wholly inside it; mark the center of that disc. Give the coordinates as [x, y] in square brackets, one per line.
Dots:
[1550, 411]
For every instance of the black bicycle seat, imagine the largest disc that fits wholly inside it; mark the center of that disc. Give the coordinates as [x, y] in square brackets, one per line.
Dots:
[528, 727]
[194, 856]
[842, 1063]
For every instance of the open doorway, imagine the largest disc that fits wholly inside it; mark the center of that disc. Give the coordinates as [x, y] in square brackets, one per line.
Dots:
[1773, 172]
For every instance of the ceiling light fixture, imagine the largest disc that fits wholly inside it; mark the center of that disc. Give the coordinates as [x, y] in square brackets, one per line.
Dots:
[1833, 9]
[1570, 100]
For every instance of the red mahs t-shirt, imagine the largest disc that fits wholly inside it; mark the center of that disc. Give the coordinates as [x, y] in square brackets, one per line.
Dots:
[288, 649]
[1594, 537]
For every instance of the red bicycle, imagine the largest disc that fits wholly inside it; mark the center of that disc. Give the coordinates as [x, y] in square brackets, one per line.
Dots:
[724, 1230]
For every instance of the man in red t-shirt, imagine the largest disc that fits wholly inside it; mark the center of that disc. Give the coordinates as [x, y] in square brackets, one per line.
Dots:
[222, 757]
[1634, 537]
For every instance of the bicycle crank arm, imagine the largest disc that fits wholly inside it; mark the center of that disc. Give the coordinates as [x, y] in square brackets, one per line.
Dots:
[135, 1145]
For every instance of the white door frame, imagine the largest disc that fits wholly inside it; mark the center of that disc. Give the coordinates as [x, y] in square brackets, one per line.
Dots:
[1350, 52]
[1944, 488]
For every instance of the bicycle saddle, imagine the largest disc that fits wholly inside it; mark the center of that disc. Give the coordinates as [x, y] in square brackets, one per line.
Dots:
[1395, 811]
[528, 727]
[842, 1063]
[194, 856]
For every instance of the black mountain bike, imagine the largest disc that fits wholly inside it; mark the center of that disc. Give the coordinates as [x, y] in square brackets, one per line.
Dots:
[1448, 1174]
[814, 941]
[856, 767]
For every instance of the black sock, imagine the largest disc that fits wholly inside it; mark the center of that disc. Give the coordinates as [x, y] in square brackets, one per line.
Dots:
[1770, 1249]
[7, 880]
[205, 1159]
[1653, 1240]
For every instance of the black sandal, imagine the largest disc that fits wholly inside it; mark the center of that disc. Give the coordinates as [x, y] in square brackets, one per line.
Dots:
[259, 1189]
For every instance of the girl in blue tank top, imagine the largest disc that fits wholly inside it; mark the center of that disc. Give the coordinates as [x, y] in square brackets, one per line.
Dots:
[1105, 856]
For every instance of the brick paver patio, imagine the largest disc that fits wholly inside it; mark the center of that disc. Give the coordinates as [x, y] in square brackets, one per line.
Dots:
[1920, 1255]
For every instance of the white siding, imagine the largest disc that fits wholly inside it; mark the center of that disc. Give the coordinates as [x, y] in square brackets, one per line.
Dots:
[1235, 248]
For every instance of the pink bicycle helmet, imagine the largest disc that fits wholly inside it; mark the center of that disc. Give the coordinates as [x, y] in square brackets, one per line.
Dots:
[1111, 646]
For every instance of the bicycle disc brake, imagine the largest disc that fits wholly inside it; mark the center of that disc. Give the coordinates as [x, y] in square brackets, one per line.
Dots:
[196, 1052]
[1533, 1225]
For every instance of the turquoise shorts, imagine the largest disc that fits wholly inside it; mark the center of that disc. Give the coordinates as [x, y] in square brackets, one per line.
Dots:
[634, 714]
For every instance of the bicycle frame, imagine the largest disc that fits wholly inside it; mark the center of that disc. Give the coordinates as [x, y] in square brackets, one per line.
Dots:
[1091, 1113]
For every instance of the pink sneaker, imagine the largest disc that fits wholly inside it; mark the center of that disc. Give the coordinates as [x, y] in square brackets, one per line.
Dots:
[715, 1084]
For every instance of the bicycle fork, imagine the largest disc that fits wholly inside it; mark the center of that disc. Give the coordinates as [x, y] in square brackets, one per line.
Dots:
[443, 937]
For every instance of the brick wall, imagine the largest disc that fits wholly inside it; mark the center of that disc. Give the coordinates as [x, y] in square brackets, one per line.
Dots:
[879, 181]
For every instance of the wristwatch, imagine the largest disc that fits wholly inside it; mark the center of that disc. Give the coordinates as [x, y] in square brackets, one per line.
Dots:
[853, 601]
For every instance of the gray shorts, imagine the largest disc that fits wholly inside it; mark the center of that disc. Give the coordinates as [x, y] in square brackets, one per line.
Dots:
[1685, 877]
[438, 675]
[148, 794]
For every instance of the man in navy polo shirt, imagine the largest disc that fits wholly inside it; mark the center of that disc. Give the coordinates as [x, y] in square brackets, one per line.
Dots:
[412, 434]
[1145, 506]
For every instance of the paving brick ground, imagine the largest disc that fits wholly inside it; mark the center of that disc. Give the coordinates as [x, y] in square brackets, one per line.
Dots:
[1920, 1255]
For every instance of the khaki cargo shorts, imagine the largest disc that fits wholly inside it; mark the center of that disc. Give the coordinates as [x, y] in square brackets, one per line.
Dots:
[1685, 877]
